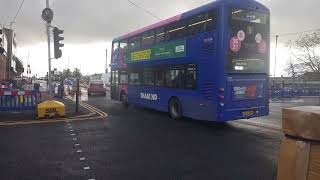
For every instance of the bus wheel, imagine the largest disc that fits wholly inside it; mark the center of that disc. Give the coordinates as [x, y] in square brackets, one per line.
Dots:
[175, 109]
[124, 99]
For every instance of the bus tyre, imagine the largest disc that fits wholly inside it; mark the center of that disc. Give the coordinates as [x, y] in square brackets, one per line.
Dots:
[175, 109]
[124, 100]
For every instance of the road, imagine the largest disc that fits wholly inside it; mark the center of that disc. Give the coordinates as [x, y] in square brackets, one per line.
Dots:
[137, 143]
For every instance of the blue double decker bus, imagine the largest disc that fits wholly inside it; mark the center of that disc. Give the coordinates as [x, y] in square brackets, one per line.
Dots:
[210, 63]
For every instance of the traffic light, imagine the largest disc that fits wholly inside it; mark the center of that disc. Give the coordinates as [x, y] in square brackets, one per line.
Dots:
[56, 40]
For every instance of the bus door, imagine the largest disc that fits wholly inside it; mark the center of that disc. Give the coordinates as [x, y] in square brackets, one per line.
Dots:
[115, 84]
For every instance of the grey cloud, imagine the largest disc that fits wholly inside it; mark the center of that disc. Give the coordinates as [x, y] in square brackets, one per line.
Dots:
[101, 20]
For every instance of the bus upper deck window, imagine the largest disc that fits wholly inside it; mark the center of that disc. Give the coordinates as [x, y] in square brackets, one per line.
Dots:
[148, 38]
[211, 21]
[135, 42]
[124, 45]
[176, 31]
[160, 35]
[115, 46]
[196, 24]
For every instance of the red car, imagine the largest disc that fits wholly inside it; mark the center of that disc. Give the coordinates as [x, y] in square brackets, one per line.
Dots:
[96, 87]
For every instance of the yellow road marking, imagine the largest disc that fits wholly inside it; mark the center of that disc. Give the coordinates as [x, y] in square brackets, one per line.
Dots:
[101, 113]
[84, 105]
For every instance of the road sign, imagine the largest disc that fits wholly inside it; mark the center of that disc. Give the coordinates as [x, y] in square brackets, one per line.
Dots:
[47, 15]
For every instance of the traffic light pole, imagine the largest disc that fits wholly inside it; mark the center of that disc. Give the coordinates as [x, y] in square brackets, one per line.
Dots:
[48, 24]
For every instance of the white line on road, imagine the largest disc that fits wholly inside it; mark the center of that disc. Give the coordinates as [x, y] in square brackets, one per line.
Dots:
[71, 130]
[79, 151]
[82, 159]
[273, 113]
[73, 134]
[91, 179]
[77, 144]
[75, 139]
[258, 124]
[86, 168]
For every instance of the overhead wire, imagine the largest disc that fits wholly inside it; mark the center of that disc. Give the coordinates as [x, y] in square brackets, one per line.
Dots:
[15, 17]
[144, 9]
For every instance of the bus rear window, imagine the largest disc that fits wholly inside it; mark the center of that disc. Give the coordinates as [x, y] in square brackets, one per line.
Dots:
[249, 16]
[249, 42]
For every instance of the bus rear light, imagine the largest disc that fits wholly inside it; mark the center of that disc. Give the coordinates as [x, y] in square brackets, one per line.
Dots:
[221, 97]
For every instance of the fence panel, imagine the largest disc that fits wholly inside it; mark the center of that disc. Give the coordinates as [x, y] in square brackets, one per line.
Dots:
[19, 100]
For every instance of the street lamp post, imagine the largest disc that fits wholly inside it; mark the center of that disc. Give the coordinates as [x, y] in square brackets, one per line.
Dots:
[275, 57]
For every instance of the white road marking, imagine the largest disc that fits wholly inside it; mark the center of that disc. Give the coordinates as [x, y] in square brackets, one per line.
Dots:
[73, 134]
[71, 130]
[91, 179]
[86, 168]
[82, 159]
[79, 151]
[77, 144]
[75, 139]
[273, 113]
[70, 127]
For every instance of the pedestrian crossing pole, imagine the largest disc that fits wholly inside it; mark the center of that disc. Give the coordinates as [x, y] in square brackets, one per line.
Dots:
[47, 15]
[49, 52]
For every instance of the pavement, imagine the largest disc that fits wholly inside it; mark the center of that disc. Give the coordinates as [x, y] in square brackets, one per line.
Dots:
[137, 143]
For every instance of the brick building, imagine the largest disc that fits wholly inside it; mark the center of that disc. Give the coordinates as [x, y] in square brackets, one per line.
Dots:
[10, 65]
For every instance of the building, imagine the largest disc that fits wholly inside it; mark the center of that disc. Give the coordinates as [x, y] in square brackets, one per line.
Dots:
[10, 65]
[307, 81]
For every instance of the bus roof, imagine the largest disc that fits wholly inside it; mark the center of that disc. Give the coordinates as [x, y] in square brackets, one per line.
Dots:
[251, 4]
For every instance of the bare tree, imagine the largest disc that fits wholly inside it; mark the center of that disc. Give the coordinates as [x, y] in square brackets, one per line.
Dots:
[305, 51]
[292, 69]
[66, 73]
[76, 73]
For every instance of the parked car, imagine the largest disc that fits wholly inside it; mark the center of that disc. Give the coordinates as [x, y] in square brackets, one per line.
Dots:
[96, 87]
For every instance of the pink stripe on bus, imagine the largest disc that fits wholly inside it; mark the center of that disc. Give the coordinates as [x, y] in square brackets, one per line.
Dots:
[153, 26]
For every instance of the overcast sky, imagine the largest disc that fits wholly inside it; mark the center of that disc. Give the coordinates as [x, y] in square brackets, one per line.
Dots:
[91, 24]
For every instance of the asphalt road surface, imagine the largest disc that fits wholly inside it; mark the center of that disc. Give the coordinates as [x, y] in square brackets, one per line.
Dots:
[140, 144]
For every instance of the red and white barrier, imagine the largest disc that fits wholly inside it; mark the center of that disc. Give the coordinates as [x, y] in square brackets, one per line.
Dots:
[15, 93]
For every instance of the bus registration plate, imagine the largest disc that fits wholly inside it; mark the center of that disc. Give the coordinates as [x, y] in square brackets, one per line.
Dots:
[248, 113]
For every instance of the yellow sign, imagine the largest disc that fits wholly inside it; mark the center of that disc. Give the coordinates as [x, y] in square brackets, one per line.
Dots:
[141, 55]
[247, 113]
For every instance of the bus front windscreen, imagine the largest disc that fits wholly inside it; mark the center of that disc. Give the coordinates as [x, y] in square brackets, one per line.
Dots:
[249, 42]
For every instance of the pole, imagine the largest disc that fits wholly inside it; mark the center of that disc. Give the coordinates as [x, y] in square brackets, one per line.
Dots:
[275, 57]
[77, 96]
[49, 53]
